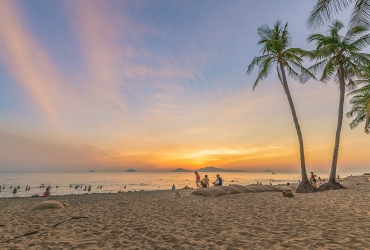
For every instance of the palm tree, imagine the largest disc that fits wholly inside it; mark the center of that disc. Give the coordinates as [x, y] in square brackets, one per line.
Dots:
[325, 9]
[339, 58]
[360, 107]
[276, 52]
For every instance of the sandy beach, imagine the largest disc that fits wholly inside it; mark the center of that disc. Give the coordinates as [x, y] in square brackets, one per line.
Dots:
[157, 220]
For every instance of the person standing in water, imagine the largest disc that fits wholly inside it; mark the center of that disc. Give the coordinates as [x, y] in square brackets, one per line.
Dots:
[197, 179]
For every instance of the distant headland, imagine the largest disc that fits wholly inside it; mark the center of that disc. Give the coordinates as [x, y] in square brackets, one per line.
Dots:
[181, 170]
[131, 170]
[208, 169]
[269, 170]
[213, 169]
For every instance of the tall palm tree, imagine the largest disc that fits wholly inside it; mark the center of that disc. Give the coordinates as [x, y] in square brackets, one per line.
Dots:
[339, 58]
[324, 10]
[360, 107]
[277, 52]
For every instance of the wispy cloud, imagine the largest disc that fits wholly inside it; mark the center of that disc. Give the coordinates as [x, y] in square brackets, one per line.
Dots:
[29, 64]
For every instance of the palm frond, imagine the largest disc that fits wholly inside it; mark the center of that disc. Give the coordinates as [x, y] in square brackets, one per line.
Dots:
[258, 60]
[362, 42]
[324, 11]
[360, 15]
[263, 71]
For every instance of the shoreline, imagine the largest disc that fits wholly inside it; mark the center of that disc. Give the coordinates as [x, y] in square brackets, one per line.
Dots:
[292, 184]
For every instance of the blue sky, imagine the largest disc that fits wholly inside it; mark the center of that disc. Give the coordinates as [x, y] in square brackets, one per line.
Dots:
[155, 85]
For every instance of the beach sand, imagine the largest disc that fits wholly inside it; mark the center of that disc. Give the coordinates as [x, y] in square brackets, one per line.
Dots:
[337, 219]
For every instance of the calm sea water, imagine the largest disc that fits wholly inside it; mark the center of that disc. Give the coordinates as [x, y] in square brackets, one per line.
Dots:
[113, 182]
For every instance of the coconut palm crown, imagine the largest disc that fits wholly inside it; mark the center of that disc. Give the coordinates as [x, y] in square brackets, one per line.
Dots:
[278, 54]
[324, 10]
[360, 109]
[339, 58]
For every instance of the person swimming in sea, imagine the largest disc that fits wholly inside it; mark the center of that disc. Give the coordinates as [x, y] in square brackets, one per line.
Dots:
[47, 192]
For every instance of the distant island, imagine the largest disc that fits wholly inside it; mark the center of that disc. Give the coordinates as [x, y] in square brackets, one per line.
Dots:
[208, 169]
[181, 170]
[213, 169]
[91, 171]
[131, 170]
[269, 170]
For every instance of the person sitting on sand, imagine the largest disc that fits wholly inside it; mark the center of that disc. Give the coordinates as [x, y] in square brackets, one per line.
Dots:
[205, 182]
[14, 190]
[197, 179]
[47, 193]
[173, 187]
[313, 179]
[218, 181]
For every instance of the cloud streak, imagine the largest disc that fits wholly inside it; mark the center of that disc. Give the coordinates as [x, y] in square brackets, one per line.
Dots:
[29, 64]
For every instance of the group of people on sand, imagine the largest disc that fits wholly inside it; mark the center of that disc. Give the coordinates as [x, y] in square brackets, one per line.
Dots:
[205, 181]
[202, 183]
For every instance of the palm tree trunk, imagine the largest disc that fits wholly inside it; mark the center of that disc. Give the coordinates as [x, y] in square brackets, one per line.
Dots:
[332, 184]
[342, 90]
[298, 128]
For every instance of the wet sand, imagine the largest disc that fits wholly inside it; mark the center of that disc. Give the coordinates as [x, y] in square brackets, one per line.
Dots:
[337, 219]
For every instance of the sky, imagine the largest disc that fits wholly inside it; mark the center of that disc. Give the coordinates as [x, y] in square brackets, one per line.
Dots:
[157, 85]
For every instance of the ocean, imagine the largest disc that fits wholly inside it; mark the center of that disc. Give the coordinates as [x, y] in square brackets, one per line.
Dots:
[112, 182]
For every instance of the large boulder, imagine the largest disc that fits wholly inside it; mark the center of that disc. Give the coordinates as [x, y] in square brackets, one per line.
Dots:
[287, 193]
[242, 189]
[210, 192]
[230, 189]
[48, 205]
